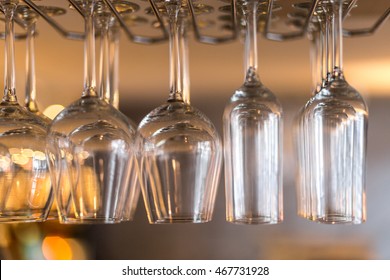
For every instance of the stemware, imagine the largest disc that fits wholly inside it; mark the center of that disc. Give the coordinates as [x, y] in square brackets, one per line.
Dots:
[334, 132]
[108, 89]
[26, 192]
[252, 124]
[90, 146]
[29, 19]
[318, 34]
[179, 149]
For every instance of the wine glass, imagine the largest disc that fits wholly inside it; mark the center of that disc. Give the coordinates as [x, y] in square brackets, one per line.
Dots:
[334, 125]
[108, 26]
[29, 18]
[318, 36]
[25, 191]
[252, 123]
[179, 149]
[90, 145]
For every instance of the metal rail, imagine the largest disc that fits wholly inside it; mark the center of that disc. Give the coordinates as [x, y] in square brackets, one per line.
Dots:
[197, 30]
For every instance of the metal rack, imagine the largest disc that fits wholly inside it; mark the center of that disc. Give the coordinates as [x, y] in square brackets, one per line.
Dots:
[219, 24]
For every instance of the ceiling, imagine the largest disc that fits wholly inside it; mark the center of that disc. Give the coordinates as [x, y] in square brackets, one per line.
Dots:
[215, 70]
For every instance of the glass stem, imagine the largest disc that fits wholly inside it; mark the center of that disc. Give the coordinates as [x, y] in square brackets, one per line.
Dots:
[104, 88]
[114, 65]
[176, 90]
[184, 58]
[328, 44]
[337, 39]
[315, 59]
[89, 50]
[323, 38]
[250, 12]
[30, 98]
[8, 8]
[319, 58]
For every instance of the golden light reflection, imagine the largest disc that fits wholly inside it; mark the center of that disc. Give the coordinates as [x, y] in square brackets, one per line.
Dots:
[56, 248]
[369, 77]
[60, 248]
[4, 163]
[28, 191]
[53, 110]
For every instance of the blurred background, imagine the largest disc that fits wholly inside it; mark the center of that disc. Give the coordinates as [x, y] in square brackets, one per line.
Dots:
[216, 71]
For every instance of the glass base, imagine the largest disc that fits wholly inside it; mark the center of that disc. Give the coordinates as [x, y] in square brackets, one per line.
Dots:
[254, 220]
[127, 220]
[181, 220]
[334, 219]
[89, 221]
[21, 217]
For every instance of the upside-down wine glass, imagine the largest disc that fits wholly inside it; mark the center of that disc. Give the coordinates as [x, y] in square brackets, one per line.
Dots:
[29, 18]
[91, 149]
[252, 124]
[335, 128]
[25, 187]
[318, 36]
[179, 148]
[108, 89]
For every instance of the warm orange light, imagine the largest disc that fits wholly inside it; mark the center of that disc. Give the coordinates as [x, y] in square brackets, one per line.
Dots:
[56, 248]
[369, 77]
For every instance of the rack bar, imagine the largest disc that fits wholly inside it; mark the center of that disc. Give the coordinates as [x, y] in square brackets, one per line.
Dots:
[209, 39]
[292, 35]
[54, 24]
[370, 30]
[136, 38]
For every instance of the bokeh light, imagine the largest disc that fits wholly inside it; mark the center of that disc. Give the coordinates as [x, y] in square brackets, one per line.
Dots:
[56, 248]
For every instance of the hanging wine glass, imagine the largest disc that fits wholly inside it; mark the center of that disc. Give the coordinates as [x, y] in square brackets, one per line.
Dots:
[29, 18]
[90, 146]
[25, 192]
[253, 141]
[334, 123]
[180, 150]
[109, 63]
[318, 36]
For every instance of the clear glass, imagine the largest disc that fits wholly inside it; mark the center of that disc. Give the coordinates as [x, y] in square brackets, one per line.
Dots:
[318, 36]
[25, 188]
[108, 89]
[91, 149]
[179, 149]
[333, 134]
[252, 125]
[29, 18]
